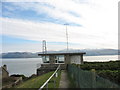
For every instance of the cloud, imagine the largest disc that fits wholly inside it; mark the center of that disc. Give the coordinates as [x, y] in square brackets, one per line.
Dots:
[97, 12]
[32, 30]
[92, 10]
[56, 33]
[48, 9]
[99, 22]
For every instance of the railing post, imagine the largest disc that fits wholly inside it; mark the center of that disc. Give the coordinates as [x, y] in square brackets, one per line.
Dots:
[54, 81]
[47, 86]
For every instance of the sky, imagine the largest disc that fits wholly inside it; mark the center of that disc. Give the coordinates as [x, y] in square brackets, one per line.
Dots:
[92, 24]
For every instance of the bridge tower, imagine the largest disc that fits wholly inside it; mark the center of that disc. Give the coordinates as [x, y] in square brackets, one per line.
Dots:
[44, 50]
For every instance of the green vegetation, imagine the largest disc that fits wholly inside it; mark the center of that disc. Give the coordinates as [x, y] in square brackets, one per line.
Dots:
[109, 70]
[56, 79]
[88, 78]
[112, 65]
[39, 81]
[111, 75]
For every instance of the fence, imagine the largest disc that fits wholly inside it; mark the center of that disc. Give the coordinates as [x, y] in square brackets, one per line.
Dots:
[88, 79]
[53, 75]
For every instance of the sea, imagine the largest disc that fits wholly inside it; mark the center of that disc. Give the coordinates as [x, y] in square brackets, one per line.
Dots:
[28, 66]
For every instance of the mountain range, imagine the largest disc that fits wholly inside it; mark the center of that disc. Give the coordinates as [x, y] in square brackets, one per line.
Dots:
[89, 52]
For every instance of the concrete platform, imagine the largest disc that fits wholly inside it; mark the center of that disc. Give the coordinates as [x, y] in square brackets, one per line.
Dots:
[45, 68]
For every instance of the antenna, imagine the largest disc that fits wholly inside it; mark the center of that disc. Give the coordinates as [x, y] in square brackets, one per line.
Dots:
[66, 35]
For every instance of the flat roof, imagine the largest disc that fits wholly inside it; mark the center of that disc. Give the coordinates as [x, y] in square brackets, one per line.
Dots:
[75, 53]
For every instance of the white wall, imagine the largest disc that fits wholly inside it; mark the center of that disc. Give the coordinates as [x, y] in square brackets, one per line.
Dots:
[75, 59]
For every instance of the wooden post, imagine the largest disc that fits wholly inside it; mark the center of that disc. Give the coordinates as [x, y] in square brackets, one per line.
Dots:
[93, 78]
[81, 59]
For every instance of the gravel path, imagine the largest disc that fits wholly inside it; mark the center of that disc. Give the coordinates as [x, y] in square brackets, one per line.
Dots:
[64, 82]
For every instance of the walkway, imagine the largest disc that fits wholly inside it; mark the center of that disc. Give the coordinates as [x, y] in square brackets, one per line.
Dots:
[64, 82]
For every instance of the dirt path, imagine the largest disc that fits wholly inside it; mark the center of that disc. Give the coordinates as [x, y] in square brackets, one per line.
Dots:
[64, 82]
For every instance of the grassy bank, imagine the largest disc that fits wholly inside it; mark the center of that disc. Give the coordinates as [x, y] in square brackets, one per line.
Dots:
[39, 81]
[56, 79]
[112, 65]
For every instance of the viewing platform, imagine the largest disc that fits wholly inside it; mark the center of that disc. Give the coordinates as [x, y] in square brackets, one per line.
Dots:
[52, 60]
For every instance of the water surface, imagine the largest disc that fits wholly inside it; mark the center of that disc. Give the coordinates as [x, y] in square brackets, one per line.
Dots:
[28, 66]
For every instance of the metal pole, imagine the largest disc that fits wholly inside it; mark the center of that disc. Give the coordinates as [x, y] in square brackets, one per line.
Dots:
[66, 36]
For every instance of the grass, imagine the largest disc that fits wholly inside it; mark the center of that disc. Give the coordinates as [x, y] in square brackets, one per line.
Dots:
[39, 81]
[56, 79]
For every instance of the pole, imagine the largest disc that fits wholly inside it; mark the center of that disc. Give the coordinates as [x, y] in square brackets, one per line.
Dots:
[66, 36]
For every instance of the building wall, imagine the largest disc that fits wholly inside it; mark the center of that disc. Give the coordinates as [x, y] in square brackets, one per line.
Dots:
[45, 68]
[77, 59]
[4, 73]
[67, 59]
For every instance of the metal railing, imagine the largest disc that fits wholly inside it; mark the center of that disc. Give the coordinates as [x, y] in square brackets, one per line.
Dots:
[46, 83]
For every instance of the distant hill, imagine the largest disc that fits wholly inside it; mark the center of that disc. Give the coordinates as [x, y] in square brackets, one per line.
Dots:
[19, 55]
[97, 52]
[92, 52]
[89, 52]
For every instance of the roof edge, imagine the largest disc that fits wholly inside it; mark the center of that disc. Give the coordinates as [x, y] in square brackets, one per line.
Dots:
[62, 54]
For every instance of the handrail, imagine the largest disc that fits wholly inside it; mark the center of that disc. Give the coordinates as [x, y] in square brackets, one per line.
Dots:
[49, 78]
